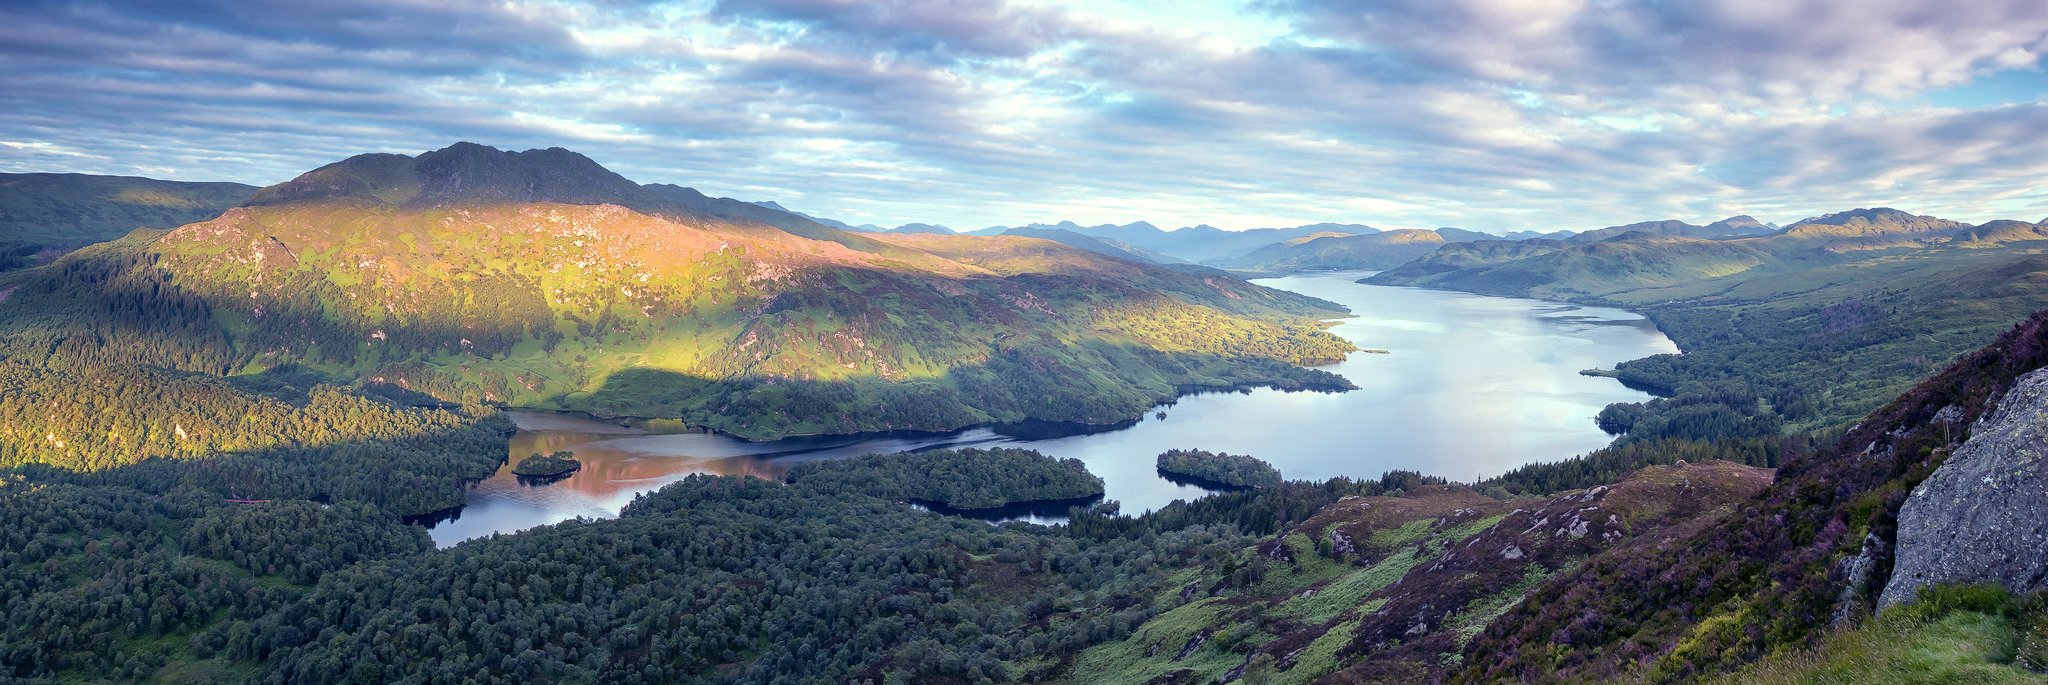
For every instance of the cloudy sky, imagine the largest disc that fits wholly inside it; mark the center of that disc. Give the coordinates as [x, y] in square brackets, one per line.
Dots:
[1487, 114]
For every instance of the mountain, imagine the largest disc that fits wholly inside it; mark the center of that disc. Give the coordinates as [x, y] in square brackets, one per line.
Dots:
[1533, 235]
[1336, 251]
[2000, 232]
[1459, 235]
[922, 228]
[1730, 227]
[1863, 223]
[1102, 246]
[1561, 269]
[1635, 257]
[841, 225]
[1741, 224]
[1202, 244]
[64, 211]
[540, 278]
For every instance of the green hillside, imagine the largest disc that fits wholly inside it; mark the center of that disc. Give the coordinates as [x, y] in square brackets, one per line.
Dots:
[542, 279]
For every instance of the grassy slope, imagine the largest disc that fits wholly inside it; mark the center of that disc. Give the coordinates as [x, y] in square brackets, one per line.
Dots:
[1394, 587]
[1956, 635]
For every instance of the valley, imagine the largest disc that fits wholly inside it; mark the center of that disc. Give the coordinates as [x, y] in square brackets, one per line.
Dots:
[278, 444]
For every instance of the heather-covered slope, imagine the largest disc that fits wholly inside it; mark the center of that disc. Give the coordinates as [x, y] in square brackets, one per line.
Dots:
[1391, 588]
[65, 211]
[542, 279]
[1813, 551]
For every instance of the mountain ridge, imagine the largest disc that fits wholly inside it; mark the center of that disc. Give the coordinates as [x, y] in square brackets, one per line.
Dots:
[1332, 251]
[1579, 269]
[56, 212]
[1735, 226]
[472, 274]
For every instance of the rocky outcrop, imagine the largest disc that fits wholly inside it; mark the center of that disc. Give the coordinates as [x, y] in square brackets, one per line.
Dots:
[1979, 519]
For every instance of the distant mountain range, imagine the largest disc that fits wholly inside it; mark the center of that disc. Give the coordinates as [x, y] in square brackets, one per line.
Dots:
[1280, 250]
[1655, 254]
[57, 212]
[1726, 228]
[1337, 251]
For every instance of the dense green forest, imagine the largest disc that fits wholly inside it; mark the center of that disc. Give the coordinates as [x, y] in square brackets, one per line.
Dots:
[1222, 468]
[710, 579]
[957, 479]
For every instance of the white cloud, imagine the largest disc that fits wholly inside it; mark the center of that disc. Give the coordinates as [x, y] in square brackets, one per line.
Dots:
[1488, 114]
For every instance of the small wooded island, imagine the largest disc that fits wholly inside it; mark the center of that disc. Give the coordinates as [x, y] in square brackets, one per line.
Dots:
[965, 479]
[1219, 468]
[554, 465]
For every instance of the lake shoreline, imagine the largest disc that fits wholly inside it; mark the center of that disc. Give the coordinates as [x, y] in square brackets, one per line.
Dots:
[536, 418]
[1472, 386]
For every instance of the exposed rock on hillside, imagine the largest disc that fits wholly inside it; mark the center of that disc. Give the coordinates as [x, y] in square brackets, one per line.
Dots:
[1776, 573]
[1978, 518]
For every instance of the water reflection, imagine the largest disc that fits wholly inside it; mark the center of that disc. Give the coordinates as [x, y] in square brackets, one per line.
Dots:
[1471, 386]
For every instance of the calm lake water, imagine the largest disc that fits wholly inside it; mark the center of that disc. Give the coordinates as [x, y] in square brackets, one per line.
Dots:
[1471, 386]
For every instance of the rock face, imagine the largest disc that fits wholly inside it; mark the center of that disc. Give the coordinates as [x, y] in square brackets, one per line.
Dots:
[1978, 519]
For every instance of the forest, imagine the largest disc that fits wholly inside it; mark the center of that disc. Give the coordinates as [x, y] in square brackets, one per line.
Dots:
[547, 465]
[957, 479]
[1221, 468]
[823, 579]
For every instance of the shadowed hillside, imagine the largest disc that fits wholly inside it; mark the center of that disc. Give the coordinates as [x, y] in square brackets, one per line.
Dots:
[54, 213]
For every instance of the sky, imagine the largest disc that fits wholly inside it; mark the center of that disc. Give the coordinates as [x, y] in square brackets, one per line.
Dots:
[1484, 114]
